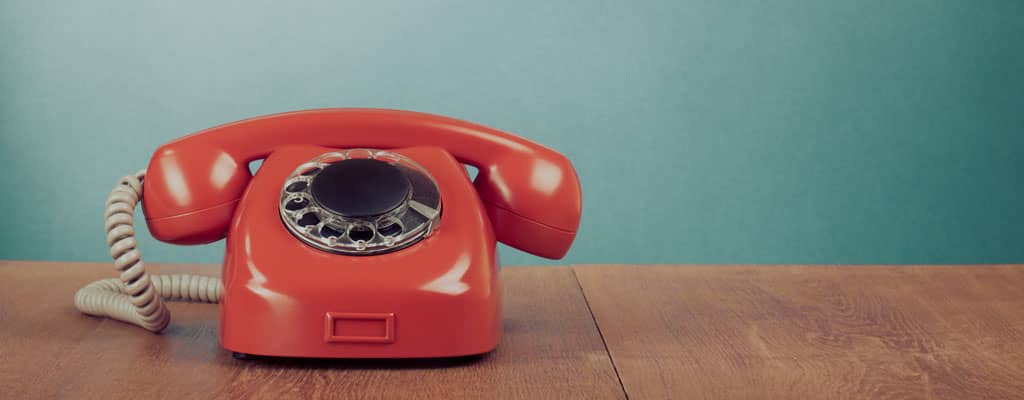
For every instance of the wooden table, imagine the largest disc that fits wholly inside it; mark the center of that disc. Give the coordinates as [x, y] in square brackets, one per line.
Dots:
[587, 332]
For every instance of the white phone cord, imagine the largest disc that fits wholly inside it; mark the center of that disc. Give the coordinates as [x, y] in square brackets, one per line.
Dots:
[137, 297]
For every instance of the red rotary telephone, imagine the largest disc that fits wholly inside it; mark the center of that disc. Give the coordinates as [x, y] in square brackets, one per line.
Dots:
[361, 235]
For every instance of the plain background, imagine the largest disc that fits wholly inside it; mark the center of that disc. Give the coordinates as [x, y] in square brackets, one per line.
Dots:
[703, 131]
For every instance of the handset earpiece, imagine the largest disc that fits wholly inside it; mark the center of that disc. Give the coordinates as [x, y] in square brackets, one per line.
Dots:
[191, 193]
[534, 202]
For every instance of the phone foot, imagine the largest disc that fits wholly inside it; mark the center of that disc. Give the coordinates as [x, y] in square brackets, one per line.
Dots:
[239, 356]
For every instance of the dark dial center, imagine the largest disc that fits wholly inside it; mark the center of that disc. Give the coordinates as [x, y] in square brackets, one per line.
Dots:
[360, 187]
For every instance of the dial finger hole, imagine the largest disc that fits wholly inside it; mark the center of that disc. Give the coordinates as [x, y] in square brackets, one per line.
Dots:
[357, 233]
[360, 153]
[309, 219]
[387, 157]
[296, 204]
[391, 229]
[327, 231]
[296, 186]
[332, 157]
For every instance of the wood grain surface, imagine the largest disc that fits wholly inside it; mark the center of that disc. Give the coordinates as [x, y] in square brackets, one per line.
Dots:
[551, 349]
[726, 332]
[807, 332]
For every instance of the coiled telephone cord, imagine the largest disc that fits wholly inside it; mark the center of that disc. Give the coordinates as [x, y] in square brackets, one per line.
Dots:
[137, 297]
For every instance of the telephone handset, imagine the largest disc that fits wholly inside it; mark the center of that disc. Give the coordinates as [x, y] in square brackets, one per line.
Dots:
[361, 232]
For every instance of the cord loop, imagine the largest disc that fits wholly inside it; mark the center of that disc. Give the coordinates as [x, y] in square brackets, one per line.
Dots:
[137, 297]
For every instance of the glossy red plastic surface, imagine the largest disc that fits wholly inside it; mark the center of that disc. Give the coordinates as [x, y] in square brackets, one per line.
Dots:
[192, 182]
[437, 298]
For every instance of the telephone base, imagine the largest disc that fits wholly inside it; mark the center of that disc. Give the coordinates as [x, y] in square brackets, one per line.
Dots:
[285, 298]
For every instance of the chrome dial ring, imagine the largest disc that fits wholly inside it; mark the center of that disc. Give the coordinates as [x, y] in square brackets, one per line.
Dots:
[359, 207]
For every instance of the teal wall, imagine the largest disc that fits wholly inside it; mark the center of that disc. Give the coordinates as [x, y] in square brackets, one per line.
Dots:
[704, 131]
